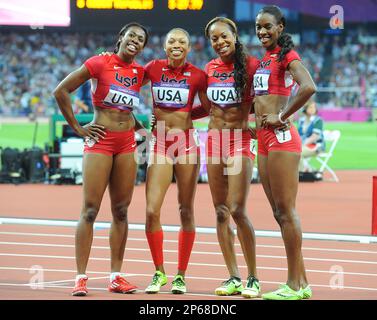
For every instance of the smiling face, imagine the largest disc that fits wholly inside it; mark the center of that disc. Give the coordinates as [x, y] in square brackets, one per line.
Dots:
[177, 45]
[268, 30]
[133, 41]
[223, 40]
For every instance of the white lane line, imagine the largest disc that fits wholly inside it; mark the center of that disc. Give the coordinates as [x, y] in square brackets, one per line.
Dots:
[174, 251]
[196, 242]
[205, 230]
[258, 267]
[191, 263]
[137, 292]
[208, 295]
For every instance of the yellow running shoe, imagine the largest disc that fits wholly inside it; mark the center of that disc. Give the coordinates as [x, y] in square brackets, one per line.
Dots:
[283, 293]
[230, 287]
[159, 280]
[252, 288]
[307, 292]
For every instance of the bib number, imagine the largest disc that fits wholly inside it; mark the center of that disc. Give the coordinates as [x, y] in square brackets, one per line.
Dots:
[283, 135]
[260, 82]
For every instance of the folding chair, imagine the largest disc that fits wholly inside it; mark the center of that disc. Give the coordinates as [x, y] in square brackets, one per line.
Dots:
[331, 138]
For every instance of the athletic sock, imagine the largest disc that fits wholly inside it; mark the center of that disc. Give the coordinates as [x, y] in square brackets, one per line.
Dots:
[185, 244]
[155, 241]
[80, 276]
[113, 275]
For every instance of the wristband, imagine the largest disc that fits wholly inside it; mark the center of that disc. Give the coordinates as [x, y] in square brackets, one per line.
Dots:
[281, 121]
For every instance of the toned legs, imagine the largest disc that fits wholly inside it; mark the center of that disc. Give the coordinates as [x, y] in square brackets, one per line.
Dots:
[279, 177]
[96, 172]
[121, 186]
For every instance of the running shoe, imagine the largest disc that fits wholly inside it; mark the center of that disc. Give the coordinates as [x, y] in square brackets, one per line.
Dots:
[121, 285]
[283, 293]
[178, 285]
[230, 287]
[252, 288]
[159, 280]
[80, 287]
[307, 292]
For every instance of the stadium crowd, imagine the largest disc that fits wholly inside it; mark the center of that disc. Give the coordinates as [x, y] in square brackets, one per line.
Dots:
[31, 65]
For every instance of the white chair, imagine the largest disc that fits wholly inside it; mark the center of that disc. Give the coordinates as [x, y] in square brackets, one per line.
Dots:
[331, 138]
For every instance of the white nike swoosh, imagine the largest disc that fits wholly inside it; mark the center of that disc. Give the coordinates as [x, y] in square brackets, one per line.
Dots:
[165, 69]
[240, 149]
[271, 144]
[188, 149]
[117, 67]
[134, 145]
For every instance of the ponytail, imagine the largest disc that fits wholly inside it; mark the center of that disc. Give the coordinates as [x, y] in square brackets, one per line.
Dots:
[286, 44]
[241, 76]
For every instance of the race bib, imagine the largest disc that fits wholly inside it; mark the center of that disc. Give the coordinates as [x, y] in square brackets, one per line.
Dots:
[171, 95]
[260, 81]
[283, 135]
[121, 98]
[223, 94]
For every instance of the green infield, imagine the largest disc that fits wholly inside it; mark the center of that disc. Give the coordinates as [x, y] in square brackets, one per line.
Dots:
[356, 149]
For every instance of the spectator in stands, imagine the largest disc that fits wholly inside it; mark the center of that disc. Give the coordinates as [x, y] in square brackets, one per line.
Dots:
[310, 128]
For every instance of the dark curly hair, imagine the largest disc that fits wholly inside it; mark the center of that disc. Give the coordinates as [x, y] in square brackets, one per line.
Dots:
[123, 31]
[241, 75]
[285, 40]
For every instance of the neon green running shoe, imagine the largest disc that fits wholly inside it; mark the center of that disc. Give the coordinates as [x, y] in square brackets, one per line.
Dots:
[178, 285]
[159, 280]
[252, 288]
[307, 292]
[283, 293]
[230, 287]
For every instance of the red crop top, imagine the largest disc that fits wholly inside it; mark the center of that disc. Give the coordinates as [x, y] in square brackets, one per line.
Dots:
[174, 88]
[272, 76]
[115, 83]
[221, 89]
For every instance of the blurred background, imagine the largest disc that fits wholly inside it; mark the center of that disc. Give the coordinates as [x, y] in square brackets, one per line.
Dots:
[42, 41]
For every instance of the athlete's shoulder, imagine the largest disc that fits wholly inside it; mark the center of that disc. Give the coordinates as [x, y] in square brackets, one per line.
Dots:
[155, 64]
[214, 63]
[292, 55]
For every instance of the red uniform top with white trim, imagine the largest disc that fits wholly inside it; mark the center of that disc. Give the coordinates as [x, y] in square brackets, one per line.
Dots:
[221, 90]
[272, 76]
[174, 88]
[115, 83]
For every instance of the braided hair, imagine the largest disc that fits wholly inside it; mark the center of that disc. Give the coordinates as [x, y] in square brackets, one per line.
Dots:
[241, 76]
[284, 40]
[123, 31]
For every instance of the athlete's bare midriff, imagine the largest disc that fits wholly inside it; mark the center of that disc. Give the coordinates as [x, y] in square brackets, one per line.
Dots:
[113, 119]
[173, 119]
[236, 117]
[268, 104]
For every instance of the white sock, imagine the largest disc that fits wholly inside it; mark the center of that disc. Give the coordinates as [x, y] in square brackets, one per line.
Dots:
[80, 276]
[113, 275]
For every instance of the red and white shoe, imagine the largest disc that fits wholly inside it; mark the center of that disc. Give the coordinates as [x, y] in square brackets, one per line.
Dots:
[80, 287]
[121, 285]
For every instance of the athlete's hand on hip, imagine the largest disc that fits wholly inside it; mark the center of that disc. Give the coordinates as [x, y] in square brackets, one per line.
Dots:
[272, 121]
[92, 130]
